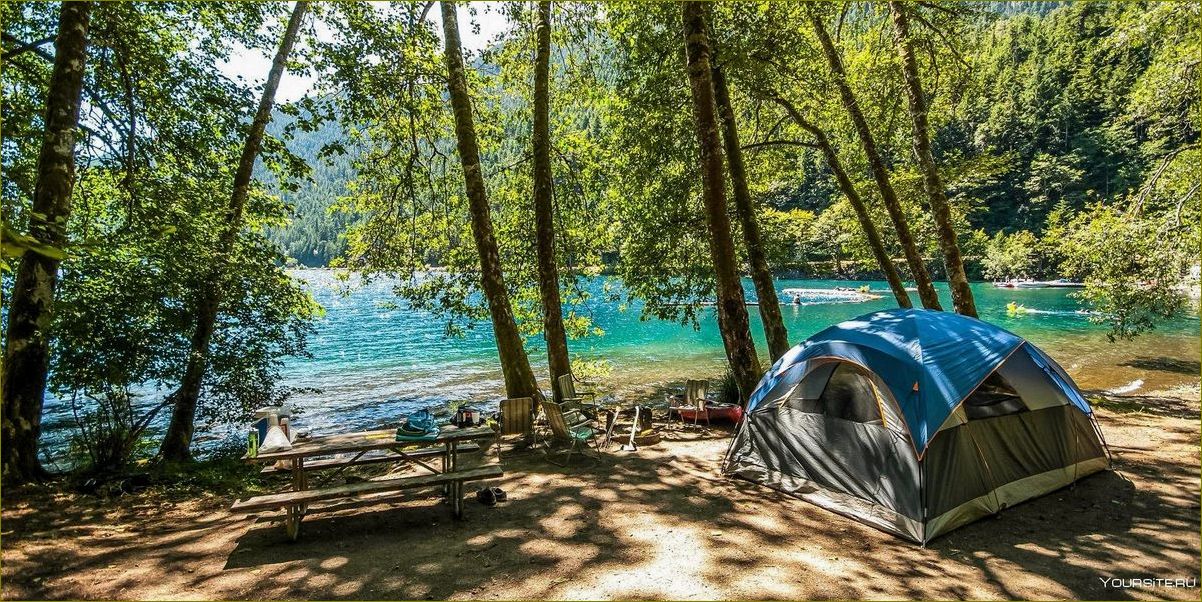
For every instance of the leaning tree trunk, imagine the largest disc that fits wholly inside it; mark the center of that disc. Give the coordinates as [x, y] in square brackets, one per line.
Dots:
[926, 289]
[732, 308]
[953, 263]
[544, 218]
[853, 197]
[761, 274]
[31, 308]
[515, 366]
[177, 443]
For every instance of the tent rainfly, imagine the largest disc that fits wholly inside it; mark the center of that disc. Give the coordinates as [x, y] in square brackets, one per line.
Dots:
[916, 422]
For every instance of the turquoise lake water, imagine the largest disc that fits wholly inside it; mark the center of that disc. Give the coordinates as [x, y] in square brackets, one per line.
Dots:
[374, 359]
[372, 362]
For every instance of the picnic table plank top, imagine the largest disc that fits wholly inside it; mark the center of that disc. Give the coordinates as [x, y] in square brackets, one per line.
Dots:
[365, 441]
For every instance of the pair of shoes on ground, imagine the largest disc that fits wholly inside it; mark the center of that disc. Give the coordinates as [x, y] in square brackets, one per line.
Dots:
[489, 496]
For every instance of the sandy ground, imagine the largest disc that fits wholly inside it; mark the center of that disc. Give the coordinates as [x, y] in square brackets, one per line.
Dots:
[660, 523]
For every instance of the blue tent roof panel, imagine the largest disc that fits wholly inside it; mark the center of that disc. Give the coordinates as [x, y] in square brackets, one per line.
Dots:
[930, 360]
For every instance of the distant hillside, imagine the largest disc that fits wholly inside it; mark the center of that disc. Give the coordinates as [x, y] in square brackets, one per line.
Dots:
[315, 235]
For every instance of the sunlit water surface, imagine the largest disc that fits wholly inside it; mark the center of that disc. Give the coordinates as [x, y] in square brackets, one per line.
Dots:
[374, 359]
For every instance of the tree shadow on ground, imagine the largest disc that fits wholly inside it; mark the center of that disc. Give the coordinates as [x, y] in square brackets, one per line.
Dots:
[636, 515]
[1165, 364]
[561, 517]
[660, 523]
[1170, 407]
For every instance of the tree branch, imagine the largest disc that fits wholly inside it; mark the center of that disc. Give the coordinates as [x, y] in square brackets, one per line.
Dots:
[776, 126]
[426, 11]
[34, 45]
[524, 158]
[1138, 206]
[93, 95]
[842, 16]
[756, 145]
[1181, 203]
[942, 36]
[102, 137]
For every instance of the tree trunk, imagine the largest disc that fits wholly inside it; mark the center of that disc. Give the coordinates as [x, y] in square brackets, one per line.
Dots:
[857, 204]
[953, 263]
[177, 443]
[926, 290]
[761, 274]
[515, 366]
[732, 308]
[544, 216]
[31, 308]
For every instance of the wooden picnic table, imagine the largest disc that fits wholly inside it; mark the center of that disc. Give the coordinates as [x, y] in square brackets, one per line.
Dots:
[362, 448]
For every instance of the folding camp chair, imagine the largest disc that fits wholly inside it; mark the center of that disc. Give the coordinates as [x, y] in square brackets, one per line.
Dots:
[695, 392]
[567, 391]
[570, 427]
[517, 418]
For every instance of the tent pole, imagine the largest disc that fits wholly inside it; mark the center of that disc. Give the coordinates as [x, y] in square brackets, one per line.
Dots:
[1097, 429]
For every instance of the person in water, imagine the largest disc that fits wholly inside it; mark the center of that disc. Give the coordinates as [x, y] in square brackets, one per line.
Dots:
[796, 299]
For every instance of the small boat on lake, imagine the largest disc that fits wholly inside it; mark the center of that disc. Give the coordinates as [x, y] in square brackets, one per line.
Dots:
[714, 303]
[889, 291]
[1059, 283]
[1014, 283]
[1064, 283]
[808, 296]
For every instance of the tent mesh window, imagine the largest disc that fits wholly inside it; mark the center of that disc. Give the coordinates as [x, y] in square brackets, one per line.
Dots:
[995, 397]
[804, 395]
[848, 395]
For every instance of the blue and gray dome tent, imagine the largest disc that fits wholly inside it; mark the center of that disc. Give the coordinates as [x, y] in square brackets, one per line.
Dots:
[916, 422]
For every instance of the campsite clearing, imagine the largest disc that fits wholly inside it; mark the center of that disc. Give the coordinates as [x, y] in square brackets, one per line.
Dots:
[660, 523]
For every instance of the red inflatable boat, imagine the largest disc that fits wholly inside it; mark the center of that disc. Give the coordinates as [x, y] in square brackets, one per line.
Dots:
[715, 412]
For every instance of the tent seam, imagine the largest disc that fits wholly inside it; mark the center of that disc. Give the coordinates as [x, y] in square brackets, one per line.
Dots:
[965, 398]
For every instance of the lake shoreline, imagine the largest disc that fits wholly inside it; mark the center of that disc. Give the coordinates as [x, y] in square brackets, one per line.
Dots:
[374, 360]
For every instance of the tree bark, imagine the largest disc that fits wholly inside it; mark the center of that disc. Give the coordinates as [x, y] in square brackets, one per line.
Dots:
[926, 289]
[853, 197]
[761, 273]
[732, 309]
[515, 366]
[31, 308]
[953, 263]
[177, 443]
[544, 216]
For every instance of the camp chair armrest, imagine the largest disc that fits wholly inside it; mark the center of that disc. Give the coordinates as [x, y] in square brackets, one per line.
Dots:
[573, 404]
[575, 418]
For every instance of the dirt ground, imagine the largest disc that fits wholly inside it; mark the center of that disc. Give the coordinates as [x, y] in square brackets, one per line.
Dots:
[660, 523]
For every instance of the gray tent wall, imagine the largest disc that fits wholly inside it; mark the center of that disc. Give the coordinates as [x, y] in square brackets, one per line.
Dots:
[868, 471]
[803, 440]
[974, 468]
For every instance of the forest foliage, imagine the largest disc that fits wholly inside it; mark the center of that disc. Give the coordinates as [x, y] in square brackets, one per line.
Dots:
[1041, 115]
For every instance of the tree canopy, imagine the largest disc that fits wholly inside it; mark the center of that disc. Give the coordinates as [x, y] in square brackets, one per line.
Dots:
[1039, 140]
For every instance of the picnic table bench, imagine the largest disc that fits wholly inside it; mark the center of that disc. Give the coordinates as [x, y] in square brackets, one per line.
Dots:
[368, 447]
[373, 457]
